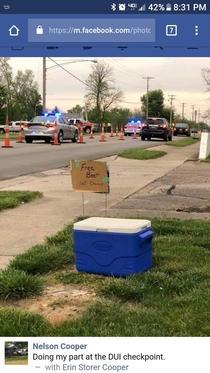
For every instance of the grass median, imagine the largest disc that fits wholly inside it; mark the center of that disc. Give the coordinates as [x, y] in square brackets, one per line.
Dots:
[13, 198]
[141, 154]
[12, 136]
[183, 142]
[170, 299]
[207, 160]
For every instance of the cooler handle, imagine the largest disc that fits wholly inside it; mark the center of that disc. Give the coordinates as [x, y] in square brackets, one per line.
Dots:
[145, 236]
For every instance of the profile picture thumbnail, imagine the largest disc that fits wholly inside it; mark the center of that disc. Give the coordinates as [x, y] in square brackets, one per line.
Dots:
[16, 353]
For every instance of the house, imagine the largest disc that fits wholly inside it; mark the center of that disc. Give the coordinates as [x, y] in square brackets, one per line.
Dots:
[14, 31]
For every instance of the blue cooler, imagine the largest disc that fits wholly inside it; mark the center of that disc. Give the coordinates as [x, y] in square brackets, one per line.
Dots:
[117, 247]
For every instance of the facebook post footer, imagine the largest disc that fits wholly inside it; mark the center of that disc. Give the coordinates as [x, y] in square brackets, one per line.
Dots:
[115, 355]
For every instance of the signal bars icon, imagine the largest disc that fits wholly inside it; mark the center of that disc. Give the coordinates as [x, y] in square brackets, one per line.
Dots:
[196, 30]
[142, 8]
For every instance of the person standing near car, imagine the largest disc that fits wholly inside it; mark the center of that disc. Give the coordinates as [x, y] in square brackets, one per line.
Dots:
[109, 127]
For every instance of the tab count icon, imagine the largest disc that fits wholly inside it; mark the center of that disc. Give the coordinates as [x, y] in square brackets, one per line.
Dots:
[171, 30]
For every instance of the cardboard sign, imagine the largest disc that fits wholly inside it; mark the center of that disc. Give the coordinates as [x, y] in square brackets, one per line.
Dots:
[90, 176]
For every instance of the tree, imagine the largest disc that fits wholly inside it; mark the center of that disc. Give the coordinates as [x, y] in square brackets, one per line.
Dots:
[76, 110]
[206, 76]
[25, 95]
[22, 96]
[137, 113]
[166, 113]
[3, 100]
[117, 116]
[6, 81]
[102, 92]
[156, 103]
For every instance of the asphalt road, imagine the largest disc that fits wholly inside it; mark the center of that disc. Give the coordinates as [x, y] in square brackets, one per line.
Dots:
[25, 159]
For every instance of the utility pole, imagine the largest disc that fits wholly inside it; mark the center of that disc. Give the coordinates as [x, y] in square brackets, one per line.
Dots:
[148, 79]
[193, 112]
[183, 106]
[199, 114]
[44, 84]
[196, 112]
[171, 99]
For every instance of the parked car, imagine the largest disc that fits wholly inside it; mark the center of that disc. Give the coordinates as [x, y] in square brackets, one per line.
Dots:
[193, 130]
[182, 129]
[156, 127]
[132, 126]
[86, 126]
[42, 128]
[14, 126]
[23, 352]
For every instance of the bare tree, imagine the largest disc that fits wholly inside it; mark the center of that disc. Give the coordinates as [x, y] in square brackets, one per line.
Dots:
[206, 76]
[102, 92]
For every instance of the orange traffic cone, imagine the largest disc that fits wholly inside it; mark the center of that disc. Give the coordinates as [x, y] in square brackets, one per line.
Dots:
[91, 134]
[121, 134]
[102, 138]
[134, 135]
[81, 137]
[111, 134]
[55, 142]
[20, 137]
[117, 134]
[7, 140]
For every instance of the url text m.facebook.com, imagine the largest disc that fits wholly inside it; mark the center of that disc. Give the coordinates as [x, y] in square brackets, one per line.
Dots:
[99, 30]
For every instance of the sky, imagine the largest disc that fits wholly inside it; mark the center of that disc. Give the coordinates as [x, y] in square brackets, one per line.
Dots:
[180, 77]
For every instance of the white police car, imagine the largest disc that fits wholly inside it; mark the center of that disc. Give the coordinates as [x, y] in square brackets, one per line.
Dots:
[133, 125]
[42, 128]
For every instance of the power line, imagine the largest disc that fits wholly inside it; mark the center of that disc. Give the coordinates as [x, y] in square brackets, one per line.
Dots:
[74, 76]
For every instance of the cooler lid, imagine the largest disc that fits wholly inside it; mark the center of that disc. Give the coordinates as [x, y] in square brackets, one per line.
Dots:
[112, 225]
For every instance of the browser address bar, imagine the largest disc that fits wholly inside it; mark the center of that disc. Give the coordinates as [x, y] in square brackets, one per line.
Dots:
[91, 30]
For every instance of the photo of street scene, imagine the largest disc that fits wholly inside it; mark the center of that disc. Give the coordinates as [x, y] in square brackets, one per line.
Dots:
[16, 353]
[104, 198]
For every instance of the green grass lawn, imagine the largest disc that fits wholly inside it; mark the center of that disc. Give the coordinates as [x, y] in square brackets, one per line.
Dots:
[183, 142]
[12, 136]
[13, 198]
[170, 299]
[16, 360]
[141, 154]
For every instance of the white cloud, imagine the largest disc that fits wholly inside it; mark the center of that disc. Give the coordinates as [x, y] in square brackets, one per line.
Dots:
[175, 76]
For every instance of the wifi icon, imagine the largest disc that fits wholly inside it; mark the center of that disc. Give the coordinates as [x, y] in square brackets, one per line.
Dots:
[143, 8]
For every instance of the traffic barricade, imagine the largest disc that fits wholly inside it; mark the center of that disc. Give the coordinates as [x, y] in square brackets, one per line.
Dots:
[102, 138]
[91, 134]
[20, 134]
[134, 135]
[55, 142]
[121, 137]
[81, 137]
[6, 139]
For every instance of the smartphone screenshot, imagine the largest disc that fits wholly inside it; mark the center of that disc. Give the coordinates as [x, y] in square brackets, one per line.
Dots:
[104, 186]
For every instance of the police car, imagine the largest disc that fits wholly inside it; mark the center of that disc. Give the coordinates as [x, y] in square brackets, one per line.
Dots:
[133, 125]
[42, 128]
